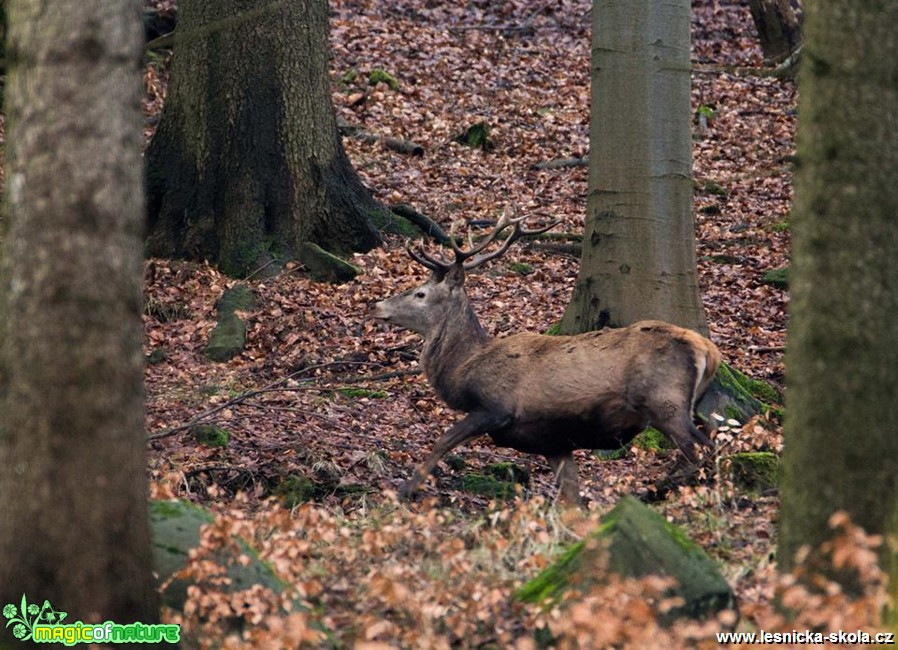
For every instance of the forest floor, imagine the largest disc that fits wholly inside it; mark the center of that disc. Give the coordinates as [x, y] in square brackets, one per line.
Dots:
[341, 416]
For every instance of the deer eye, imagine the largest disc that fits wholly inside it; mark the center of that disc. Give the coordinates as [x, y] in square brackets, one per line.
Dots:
[420, 294]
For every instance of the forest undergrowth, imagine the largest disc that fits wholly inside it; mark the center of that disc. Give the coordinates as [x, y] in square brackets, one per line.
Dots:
[327, 412]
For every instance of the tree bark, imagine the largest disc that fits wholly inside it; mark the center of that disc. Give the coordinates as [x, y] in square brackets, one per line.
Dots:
[74, 525]
[841, 449]
[638, 248]
[779, 28]
[247, 162]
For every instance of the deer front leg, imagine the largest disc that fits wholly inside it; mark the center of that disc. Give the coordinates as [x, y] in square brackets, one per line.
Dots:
[472, 425]
[566, 476]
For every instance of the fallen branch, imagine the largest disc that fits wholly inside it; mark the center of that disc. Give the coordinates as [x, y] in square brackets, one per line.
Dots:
[396, 144]
[561, 163]
[427, 225]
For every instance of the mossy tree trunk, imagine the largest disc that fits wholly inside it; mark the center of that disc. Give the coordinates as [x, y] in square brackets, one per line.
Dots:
[247, 162]
[638, 249]
[841, 450]
[73, 512]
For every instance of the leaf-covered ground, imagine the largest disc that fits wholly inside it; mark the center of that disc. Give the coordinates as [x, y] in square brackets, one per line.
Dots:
[339, 414]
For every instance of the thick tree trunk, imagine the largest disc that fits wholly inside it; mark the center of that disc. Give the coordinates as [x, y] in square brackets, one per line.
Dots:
[638, 248]
[73, 513]
[247, 162]
[779, 27]
[841, 448]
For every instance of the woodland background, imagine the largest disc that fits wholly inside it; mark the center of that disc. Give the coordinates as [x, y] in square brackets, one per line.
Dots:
[323, 414]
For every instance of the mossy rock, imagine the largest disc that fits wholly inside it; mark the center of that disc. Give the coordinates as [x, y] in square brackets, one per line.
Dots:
[210, 435]
[477, 136]
[639, 542]
[735, 396]
[757, 471]
[377, 76]
[488, 486]
[297, 489]
[323, 266]
[175, 527]
[777, 278]
[229, 336]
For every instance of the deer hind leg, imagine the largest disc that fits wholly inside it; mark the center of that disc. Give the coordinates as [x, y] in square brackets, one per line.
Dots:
[567, 478]
[472, 425]
[683, 432]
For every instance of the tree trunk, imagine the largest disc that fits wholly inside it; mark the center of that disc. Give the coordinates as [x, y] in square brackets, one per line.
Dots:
[779, 27]
[73, 482]
[247, 162]
[841, 448]
[638, 248]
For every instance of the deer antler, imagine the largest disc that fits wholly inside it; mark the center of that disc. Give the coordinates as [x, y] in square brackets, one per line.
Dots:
[474, 256]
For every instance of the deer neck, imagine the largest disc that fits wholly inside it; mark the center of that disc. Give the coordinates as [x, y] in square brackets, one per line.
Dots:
[455, 340]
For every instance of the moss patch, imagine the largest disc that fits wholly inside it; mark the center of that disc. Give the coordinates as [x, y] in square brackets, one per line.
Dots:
[777, 278]
[389, 222]
[757, 471]
[358, 393]
[488, 486]
[521, 268]
[378, 76]
[508, 472]
[297, 489]
[210, 435]
[498, 480]
[653, 440]
[477, 136]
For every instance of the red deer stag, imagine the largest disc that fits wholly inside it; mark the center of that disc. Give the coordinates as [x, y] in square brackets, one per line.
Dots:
[544, 394]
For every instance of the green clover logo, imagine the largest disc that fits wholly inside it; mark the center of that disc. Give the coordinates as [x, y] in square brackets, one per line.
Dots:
[24, 617]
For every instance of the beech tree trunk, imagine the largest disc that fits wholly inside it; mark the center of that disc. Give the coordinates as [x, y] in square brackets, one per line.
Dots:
[247, 162]
[841, 447]
[73, 511]
[638, 256]
[779, 27]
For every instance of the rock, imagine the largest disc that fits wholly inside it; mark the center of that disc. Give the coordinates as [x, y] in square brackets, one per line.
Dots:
[229, 336]
[639, 542]
[175, 527]
[326, 267]
[757, 471]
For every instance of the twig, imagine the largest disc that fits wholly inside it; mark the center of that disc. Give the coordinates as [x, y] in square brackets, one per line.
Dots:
[767, 348]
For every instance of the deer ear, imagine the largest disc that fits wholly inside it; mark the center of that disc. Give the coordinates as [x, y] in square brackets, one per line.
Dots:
[455, 277]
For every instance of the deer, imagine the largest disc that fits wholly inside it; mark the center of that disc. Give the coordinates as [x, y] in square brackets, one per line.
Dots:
[543, 394]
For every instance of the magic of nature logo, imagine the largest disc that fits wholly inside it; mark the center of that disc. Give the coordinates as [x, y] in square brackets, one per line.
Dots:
[44, 624]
